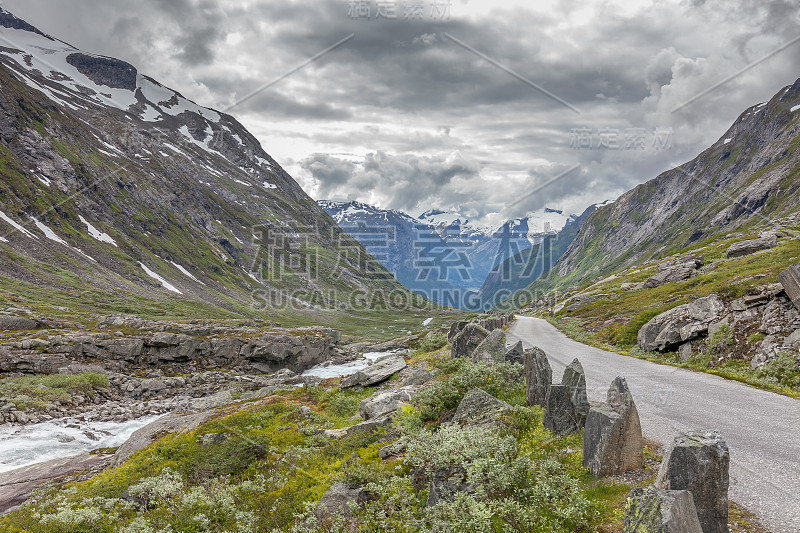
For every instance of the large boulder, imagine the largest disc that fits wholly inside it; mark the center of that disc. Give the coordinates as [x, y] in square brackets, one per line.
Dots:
[699, 462]
[455, 329]
[515, 354]
[380, 371]
[336, 501]
[612, 441]
[742, 248]
[538, 376]
[479, 408]
[681, 324]
[465, 342]
[559, 413]
[418, 376]
[384, 403]
[651, 510]
[790, 280]
[492, 349]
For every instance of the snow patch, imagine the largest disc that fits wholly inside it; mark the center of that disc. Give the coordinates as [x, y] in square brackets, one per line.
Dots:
[49, 233]
[3, 239]
[726, 141]
[185, 272]
[795, 108]
[427, 321]
[167, 285]
[268, 185]
[17, 226]
[96, 233]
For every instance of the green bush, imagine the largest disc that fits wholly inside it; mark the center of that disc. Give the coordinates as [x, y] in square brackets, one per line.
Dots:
[433, 341]
[721, 339]
[627, 335]
[503, 380]
[782, 370]
[38, 391]
[756, 337]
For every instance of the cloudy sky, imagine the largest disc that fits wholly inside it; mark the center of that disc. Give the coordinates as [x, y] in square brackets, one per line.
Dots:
[462, 104]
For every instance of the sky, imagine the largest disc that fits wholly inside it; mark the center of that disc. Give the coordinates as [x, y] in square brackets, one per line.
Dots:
[492, 109]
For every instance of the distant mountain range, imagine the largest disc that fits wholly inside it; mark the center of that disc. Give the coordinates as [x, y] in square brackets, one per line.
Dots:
[442, 254]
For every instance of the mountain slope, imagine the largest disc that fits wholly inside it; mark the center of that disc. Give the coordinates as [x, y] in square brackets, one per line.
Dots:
[120, 195]
[749, 178]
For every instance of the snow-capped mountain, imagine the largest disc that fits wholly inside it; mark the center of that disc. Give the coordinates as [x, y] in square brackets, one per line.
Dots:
[117, 192]
[441, 254]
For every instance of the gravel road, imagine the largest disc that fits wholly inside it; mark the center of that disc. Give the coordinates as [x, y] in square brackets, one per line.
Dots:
[762, 429]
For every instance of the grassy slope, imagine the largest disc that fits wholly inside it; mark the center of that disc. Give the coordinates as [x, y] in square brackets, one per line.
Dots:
[613, 320]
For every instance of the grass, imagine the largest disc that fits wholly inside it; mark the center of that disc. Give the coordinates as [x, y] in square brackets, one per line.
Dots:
[40, 391]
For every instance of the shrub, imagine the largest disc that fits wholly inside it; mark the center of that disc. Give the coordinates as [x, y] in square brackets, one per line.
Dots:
[627, 335]
[721, 339]
[782, 370]
[610, 334]
[433, 341]
[503, 380]
[756, 337]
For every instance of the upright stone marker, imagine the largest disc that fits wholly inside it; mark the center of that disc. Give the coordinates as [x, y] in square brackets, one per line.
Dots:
[538, 376]
[652, 510]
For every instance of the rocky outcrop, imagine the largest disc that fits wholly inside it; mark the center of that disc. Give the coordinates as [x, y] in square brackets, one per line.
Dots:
[492, 349]
[683, 268]
[296, 350]
[567, 404]
[17, 485]
[469, 338]
[418, 376]
[376, 373]
[488, 322]
[699, 462]
[751, 246]
[612, 440]
[651, 510]
[538, 376]
[479, 408]
[362, 427]
[681, 324]
[579, 301]
[790, 280]
[446, 483]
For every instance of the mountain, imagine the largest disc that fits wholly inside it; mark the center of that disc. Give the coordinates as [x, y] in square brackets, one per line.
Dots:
[748, 179]
[120, 195]
[441, 254]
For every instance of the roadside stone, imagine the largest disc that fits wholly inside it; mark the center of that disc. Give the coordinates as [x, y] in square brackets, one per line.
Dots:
[651, 510]
[384, 403]
[465, 342]
[515, 354]
[699, 462]
[575, 379]
[559, 414]
[479, 408]
[538, 376]
[742, 248]
[492, 349]
[380, 371]
[612, 440]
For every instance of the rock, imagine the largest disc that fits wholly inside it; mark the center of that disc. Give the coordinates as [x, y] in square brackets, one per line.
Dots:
[670, 275]
[492, 349]
[465, 342]
[172, 423]
[369, 425]
[336, 501]
[580, 300]
[455, 329]
[515, 354]
[742, 248]
[17, 485]
[699, 462]
[446, 483]
[632, 286]
[384, 403]
[380, 371]
[20, 417]
[575, 379]
[215, 400]
[418, 376]
[559, 414]
[538, 376]
[479, 408]
[685, 351]
[652, 510]
[612, 440]
[17, 323]
[790, 280]
[681, 324]
[766, 351]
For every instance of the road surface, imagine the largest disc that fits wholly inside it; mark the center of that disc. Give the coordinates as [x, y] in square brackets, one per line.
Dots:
[762, 429]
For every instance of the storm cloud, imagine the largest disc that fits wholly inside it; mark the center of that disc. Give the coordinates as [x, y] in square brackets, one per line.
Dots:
[472, 108]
